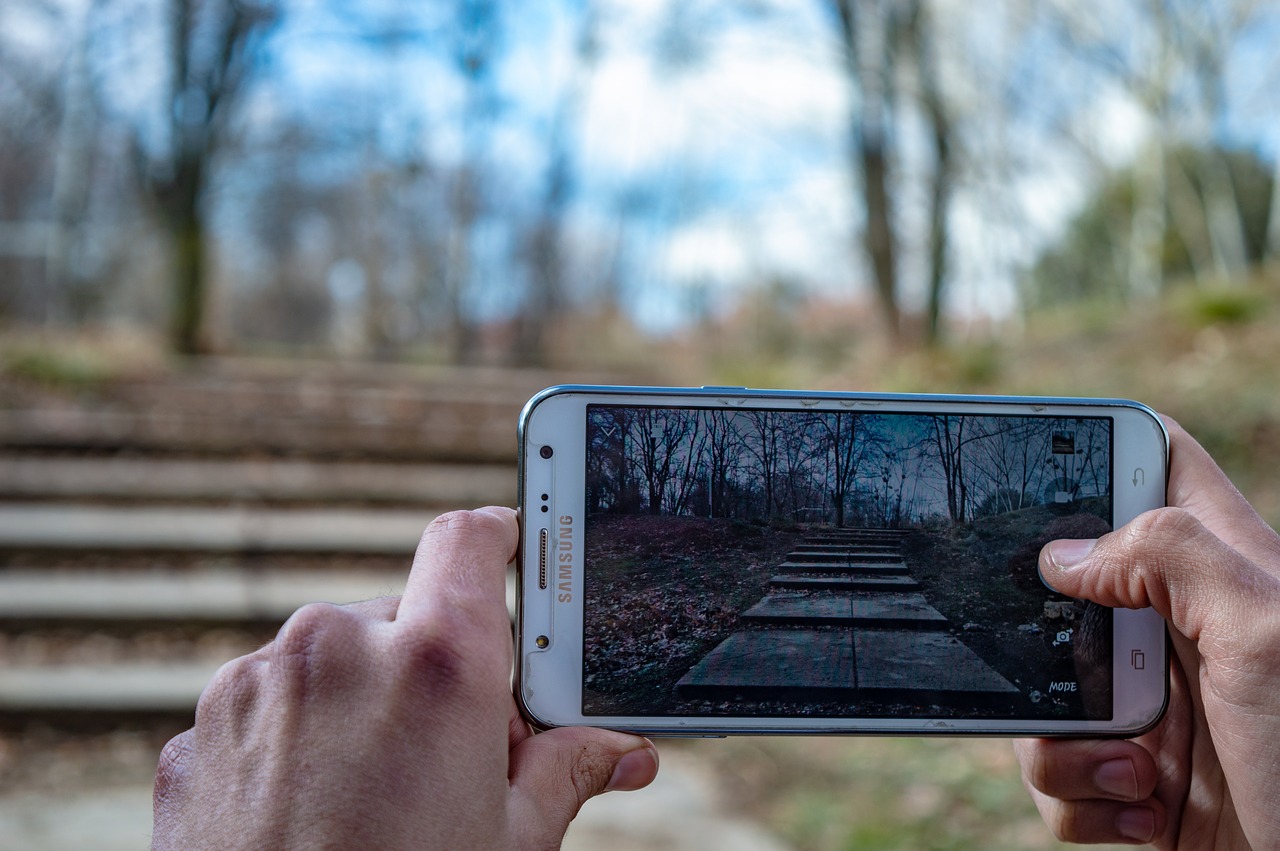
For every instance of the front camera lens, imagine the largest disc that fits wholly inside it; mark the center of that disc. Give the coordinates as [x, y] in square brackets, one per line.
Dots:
[546, 452]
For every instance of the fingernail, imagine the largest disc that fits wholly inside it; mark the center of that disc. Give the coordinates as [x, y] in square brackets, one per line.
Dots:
[1137, 823]
[1066, 554]
[634, 771]
[1117, 777]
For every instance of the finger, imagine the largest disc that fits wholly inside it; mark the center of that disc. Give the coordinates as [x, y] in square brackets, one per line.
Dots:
[1083, 769]
[554, 773]
[1169, 560]
[1199, 485]
[1094, 822]
[459, 569]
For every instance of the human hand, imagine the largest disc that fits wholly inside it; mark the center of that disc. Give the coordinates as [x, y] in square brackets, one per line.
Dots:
[389, 724]
[1208, 775]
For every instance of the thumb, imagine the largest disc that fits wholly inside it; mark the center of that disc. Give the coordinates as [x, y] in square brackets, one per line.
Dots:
[1165, 559]
[552, 774]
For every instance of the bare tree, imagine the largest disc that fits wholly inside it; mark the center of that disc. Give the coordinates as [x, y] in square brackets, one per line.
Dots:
[657, 436]
[478, 32]
[545, 293]
[689, 456]
[867, 29]
[1273, 217]
[921, 43]
[211, 56]
[765, 448]
[843, 441]
[949, 441]
[722, 454]
[1176, 74]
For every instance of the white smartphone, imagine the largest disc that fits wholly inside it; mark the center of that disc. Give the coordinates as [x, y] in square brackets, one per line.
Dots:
[722, 560]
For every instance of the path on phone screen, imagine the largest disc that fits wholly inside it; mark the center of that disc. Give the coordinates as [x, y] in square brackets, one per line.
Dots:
[845, 621]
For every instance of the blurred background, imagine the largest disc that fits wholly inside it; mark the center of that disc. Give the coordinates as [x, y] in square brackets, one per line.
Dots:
[276, 277]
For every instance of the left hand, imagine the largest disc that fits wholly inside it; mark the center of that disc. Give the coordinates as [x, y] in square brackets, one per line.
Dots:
[389, 724]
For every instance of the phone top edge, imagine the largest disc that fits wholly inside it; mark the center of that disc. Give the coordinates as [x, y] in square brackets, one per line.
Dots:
[714, 392]
[710, 392]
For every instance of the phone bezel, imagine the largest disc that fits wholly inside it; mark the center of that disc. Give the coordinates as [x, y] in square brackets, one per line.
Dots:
[548, 680]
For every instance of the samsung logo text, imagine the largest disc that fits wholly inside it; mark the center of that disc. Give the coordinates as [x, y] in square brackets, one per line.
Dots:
[564, 576]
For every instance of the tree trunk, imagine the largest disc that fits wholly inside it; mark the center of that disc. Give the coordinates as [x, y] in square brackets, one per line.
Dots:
[863, 32]
[189, 335]
[940, 186]
[1273, 217]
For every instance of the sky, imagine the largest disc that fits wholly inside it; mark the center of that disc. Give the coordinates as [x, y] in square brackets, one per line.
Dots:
[729, 119]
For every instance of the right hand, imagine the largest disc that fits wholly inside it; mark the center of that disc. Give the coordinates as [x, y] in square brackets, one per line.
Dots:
[1208, 775]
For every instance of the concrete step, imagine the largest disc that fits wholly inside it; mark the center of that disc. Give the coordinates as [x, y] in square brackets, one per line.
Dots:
[847, 547]
[891, 582]
[446, 434]
[845, 664]
[839, 556]
[136, 687]
[837, 567]
[208, 594]
[884, 610]
[211, 529]
[282, 480]
[845, 554]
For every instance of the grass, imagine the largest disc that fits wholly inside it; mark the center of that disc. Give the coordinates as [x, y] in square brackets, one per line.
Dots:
[75, 362]
[851, 794]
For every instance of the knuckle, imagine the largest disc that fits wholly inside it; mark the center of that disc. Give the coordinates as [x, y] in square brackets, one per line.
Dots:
[230, 694]
[589, 774]
[434, 659]
[463, 521]
[303, 637]
[1035, 768]
[171, 771]
[1063, 820]
[1074, 824]
[1059, 827]
[320, 644]
[475, 528]
[1154, 530]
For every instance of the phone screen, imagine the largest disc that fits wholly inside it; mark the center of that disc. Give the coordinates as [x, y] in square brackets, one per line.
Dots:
[818, 563]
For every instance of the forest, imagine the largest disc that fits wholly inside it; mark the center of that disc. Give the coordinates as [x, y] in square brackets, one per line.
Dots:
[476, 180]
[839, 468]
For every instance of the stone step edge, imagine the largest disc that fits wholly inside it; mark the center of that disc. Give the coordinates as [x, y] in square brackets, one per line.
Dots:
[277, 479]
[218, 594]
[211, 528]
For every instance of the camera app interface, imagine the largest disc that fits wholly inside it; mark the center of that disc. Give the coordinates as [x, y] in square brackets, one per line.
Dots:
[782, 563]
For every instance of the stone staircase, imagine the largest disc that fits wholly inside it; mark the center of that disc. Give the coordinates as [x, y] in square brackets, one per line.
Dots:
[844, 621]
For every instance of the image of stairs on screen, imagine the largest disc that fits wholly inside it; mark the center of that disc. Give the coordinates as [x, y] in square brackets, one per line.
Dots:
[845, 621]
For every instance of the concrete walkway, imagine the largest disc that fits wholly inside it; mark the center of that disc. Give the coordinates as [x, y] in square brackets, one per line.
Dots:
[843, 620]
